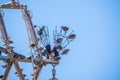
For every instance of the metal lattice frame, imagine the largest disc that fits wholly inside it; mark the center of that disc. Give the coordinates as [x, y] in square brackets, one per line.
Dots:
[60, 41]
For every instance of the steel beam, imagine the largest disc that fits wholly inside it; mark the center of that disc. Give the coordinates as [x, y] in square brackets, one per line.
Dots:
[19, 71]
[4, 58]
[13, 5]
[9, 65]
[37, 72]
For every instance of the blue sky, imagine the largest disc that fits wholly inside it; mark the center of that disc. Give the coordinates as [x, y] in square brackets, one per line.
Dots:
[94, 55]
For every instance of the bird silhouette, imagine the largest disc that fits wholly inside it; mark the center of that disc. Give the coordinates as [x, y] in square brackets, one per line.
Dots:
[1, 76]
[4, 66]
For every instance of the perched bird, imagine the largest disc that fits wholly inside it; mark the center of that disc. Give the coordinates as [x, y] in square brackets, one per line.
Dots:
[4, 66]
[1, 76]
[65, 51]
[35, 26]
[57, 58]
[59, 40]
[58, 47]
[72, 36]
[15, 73]
[30, 57]
[48, 48]
[22, 57]
[32, 74]
[24, 75]
[35, 67]
[40, 32]
[41, 48]
[0, 52]
[15, 56]
[64, 28]
[21, 69]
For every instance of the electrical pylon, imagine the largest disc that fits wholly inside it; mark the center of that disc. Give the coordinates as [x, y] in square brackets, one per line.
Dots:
[39, 42]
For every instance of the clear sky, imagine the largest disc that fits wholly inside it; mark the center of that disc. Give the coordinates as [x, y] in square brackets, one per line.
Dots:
[94, 55]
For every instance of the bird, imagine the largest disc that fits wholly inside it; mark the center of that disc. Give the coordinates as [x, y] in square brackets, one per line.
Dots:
[1, 76]
[35, 26]
[0, 52]
[35, 67]
[32, 74]
[41, 48]
[24, 75]
[15, 56]
[64, 28]
[4, 66]
[30, 57]
[15, 73]
[22, 57]
[40, 32]
[21, 69]
[65, 51]
[57, 58]
[72, 36]
[59, 40]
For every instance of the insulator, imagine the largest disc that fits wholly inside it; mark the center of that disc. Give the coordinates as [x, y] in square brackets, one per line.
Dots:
[53, 72]
[53, 78]
[30, 28]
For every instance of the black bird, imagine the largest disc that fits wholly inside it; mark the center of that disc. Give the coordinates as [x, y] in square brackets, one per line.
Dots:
[4, 66]
[15, 56]
[64, 28]
[32, 74]
[21, 69]
[35, 67]
[30, 57]
[59, 40]
[24, 75]
[22, 57]
[40, 32]
[65, 51]
[15, 73]
[72, 36]
[1, 76]
[41, 48]
[48, 48]
[0, 52]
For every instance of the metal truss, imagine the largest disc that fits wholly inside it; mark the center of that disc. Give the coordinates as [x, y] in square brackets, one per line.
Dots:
[38, 41]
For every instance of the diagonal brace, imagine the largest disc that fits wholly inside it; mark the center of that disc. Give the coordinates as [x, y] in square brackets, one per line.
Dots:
[9, 65]
[19, 71]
